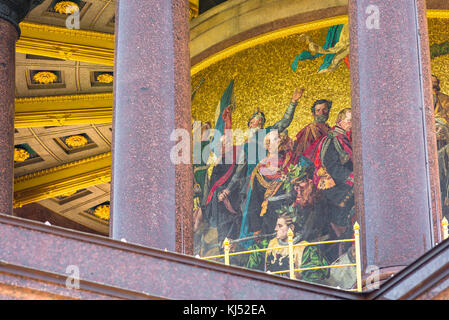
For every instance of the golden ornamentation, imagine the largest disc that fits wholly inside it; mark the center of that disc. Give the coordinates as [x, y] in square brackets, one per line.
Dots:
[65, 166]
[65, 98]
[444, 224]
[45, 77]
[76, 141]
[62, 42]
[66, 7]
[326, 181]
[33, 30]
[57, 186]
[60, 35]
[192, 14]
[437, 13]
[105, 78]
[20, 154]
[193, 9]
[68, 194]
[73, 109]
[103, 212]
[55, 181]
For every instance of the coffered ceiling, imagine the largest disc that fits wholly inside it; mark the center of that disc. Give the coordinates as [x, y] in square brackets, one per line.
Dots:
[51, 156]
[62, 167]
[95, 15]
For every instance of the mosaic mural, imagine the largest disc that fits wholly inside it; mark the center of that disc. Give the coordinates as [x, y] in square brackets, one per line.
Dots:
[287, 173]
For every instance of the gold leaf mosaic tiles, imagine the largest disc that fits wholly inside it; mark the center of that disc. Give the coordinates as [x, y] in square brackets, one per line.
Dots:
[438, 30]
[265, 79]
[438, 33]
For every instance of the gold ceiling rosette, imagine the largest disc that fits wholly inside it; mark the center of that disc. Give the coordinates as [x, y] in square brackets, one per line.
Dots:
[105, 78]
[20, 154]
[66, 7]
[76, 141]
[45, 77]
[102, 212]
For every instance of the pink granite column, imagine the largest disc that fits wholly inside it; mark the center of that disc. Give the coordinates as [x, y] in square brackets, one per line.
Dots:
[8, 37]
[11, 13]
[151, 196]
[395, 162]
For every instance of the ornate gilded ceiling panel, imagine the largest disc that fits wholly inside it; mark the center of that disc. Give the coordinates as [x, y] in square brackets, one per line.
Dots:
[69, 77]
[58, 145]
[96, 15]
[88, 207]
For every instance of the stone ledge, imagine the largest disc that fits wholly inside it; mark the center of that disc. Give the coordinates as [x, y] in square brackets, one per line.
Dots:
[130, 267]
[17, 282]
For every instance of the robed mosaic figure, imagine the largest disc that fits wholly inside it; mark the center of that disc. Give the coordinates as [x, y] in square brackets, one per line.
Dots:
[332, 158]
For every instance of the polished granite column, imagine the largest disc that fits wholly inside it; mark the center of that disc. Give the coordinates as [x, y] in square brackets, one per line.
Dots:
[11, 13]
[8, 37]
[395, 160]
[151, 196]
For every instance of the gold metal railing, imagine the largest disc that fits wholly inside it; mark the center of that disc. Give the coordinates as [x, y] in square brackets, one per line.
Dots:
[290, 246]
[444, 225]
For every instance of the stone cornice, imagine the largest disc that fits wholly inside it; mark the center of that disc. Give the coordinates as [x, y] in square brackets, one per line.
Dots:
[63, 110]
[31, 29]
[65, 98]
[59, 180]
[61, 167]
[63, 118]
[67, 44]
[55, 188]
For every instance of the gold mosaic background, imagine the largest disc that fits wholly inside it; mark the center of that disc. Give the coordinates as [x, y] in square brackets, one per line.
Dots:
[265, 79]
[438, 33]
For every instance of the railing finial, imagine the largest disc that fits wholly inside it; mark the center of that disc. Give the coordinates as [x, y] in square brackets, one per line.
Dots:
[226, 245]
[445, 224]
[290, 253]
[358, 260]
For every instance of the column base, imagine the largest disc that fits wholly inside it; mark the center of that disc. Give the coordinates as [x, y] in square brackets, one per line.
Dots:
[378, 277]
